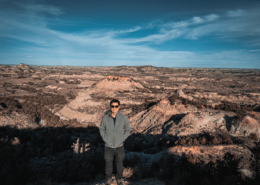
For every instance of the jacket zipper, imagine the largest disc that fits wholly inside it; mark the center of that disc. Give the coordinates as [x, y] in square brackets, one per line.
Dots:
[114, 135]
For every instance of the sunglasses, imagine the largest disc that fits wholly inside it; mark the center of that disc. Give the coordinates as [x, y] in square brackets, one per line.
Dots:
[112, 106]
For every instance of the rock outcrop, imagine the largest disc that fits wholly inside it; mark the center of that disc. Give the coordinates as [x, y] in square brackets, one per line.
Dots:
[17, 120]
[246, 126]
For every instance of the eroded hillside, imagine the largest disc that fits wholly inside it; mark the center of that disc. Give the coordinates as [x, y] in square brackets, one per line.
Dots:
[205, 119]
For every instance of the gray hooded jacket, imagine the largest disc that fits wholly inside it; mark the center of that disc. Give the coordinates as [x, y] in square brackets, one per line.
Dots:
[113, 135]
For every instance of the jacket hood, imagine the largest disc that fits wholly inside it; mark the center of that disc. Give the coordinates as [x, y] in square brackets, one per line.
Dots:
[109, 112]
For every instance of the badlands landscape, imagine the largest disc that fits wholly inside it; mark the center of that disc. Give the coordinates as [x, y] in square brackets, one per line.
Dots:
[188, 125]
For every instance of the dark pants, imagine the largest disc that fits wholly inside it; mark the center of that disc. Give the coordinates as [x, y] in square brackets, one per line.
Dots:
[119, 157]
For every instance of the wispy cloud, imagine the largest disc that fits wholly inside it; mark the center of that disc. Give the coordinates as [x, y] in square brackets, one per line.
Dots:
[232, 24]
[172, 30]
[43, 9]
[236, 25]
[191, 22]
[235, 13]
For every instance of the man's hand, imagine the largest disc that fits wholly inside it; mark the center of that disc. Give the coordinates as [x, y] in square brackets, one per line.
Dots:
[127, 129]
[102, 129]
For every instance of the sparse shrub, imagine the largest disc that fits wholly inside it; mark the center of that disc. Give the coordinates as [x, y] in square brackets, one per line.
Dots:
[189, 141]
[173, 98]
[137, 174]
[193, 159]
[71, 95]
[128, 173]
[182, 141]
[135, 164]
[203, 141]
[215, 141]
[253, 136]
[195, 141]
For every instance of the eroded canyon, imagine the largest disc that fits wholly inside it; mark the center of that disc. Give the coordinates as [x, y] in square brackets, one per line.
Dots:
[189, 125]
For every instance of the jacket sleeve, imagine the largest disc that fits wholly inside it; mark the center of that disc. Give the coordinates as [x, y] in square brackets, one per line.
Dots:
[102, 129]
[127, 129]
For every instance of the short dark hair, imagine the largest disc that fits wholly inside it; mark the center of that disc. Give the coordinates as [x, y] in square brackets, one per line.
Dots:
[114, 100]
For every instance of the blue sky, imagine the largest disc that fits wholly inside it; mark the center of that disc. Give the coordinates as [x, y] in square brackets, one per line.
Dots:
[165, 33]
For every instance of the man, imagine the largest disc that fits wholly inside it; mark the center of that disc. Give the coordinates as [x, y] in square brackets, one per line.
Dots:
[112, 132]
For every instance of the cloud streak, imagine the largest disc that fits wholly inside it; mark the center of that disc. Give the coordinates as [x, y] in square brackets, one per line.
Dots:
[235, 13]
[43, 9]
[233, 24]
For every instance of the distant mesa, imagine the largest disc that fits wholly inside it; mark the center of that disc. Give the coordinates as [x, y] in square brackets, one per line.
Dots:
[117, 83]
[24, 68]
[22, 64]
[148, 68]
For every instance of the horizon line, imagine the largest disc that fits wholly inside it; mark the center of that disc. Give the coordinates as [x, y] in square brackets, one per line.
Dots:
[129, 66]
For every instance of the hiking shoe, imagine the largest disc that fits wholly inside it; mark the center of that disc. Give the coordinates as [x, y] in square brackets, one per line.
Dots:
[120, 182]
[108, 181]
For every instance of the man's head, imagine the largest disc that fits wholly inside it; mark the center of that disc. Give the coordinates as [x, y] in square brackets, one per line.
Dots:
[114, 106]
